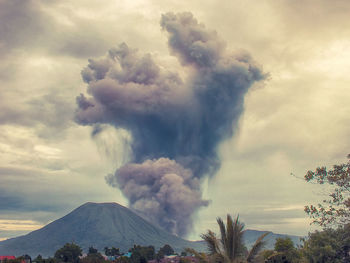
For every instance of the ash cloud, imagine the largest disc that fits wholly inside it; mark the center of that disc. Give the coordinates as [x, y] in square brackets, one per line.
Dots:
[158, 188]
[176, 125]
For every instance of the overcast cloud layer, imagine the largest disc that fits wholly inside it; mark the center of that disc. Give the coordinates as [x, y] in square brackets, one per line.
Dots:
[297, 120]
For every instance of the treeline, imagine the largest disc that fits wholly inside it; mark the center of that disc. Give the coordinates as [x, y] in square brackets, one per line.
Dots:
[72, 253]
[327, 246]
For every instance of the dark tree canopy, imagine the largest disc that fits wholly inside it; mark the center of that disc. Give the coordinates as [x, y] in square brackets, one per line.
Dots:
[70, 252]
[328, 246]
[142, 254]
[284, 244]
[92, 250]
[112, 251]
[167, 250]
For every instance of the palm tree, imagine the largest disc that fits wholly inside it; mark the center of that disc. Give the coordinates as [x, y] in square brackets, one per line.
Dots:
[230, 247]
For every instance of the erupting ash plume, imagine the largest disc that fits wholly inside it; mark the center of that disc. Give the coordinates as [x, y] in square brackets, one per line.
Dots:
[175, 125]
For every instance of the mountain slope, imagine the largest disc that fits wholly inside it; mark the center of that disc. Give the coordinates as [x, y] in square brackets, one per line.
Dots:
[98, 225]
[250, 236]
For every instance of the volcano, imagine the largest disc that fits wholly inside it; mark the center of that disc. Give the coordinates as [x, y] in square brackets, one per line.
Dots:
[98, 225]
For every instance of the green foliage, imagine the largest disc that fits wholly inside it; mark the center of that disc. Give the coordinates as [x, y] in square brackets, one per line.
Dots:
[184, 260]
[284, 244]
[328, 246]
[159, 255]
[122, 259]
[335, 210]
[142, 254]
[167, 250]
[230, 247]
[202, 257]
[17, 260]
[112, 251]
[93, 258]
[265, 254]
[70, 252]
[40, 259]
[284, 252]
[92, 250]
[49, 260]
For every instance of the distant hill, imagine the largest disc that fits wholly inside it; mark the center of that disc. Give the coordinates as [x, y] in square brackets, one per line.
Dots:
[100, 225]
[250, 236]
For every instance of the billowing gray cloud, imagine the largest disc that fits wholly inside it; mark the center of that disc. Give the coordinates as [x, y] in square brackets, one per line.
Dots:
[190, 41]
[162, 190]
[181, 121]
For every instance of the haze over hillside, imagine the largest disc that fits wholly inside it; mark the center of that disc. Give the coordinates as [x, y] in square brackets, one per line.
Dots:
[100, 225]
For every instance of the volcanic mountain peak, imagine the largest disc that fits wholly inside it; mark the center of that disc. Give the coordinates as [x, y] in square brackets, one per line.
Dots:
[94, 224]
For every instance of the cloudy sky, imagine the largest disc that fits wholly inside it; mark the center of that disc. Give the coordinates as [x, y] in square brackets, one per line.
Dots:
[294, 120]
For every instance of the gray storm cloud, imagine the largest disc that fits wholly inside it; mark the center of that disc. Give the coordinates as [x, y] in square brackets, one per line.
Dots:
[176, 125]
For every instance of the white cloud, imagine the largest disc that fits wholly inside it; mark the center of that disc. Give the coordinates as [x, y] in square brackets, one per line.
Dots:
[18, 225]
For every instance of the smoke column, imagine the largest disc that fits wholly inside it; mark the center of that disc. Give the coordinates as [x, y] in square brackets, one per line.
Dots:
[176, 125]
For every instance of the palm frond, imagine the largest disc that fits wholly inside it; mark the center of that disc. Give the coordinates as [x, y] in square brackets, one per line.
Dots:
[217, 258]
[223, 237]
[212, 242]
[229, 237]
[258, 245]
[229, 248]
[237, 238]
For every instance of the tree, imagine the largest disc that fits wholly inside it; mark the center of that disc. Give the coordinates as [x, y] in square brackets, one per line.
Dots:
[92, 250]
[159, 255]
[329, 245]
[70, 252]
[335, 210]
[16, 260]
[142, 254]
[112, 251]
[230, 247]
[266, 254]
[93, 258]
[167, 250]
[50, 260]
[122, 259]
[202, 257]
[284, 252]
[38, 259]
[184, 260]
[284, 244]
